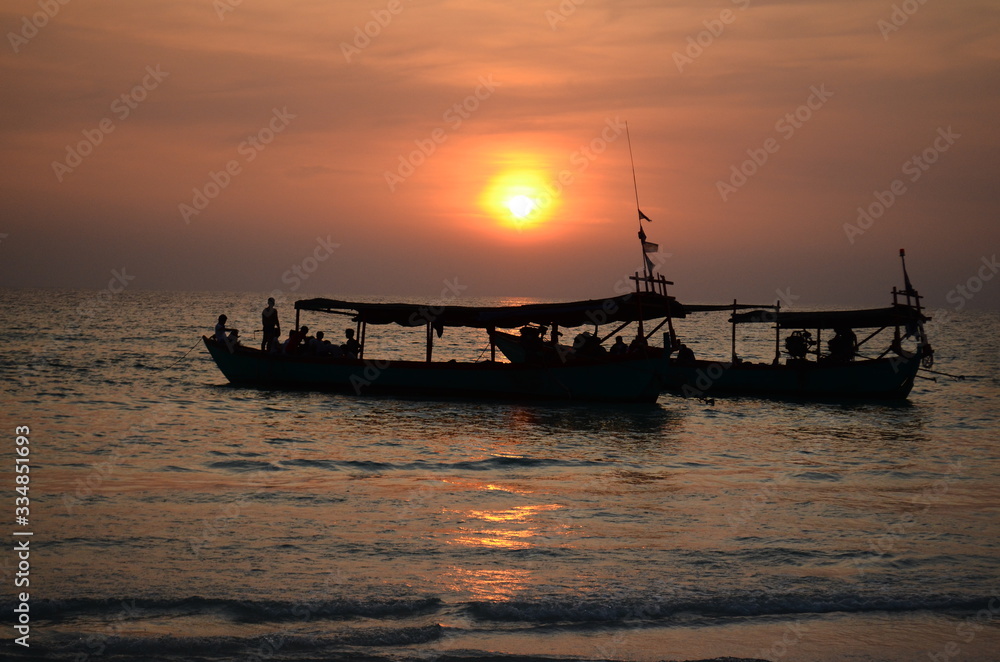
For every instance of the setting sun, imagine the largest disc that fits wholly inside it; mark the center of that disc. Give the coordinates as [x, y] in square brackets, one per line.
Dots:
[521, 206]
[520, 198]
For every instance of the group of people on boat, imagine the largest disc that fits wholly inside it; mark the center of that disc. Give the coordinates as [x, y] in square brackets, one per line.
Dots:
[585, 345]
[298, 342]
[842, 348]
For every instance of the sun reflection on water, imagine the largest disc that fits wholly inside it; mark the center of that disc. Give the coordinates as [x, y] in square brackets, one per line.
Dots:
[510, 528]
[492, 584]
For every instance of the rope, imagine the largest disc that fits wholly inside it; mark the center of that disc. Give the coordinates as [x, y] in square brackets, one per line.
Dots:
[183, 357]
[960, 378]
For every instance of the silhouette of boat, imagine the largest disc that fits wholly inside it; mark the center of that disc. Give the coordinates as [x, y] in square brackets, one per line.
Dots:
[809, 372]
[602, 378]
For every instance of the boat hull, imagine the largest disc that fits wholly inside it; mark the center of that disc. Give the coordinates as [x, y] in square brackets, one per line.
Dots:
[633, 380]
[887, 378]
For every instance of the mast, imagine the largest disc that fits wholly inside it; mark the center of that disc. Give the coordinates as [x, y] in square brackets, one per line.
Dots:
[635, 188]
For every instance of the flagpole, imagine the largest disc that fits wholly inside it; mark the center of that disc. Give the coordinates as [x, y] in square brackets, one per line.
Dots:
[635, 187]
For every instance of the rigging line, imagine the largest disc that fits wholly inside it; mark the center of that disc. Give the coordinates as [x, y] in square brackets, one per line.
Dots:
[958, 377]
[182, 358]
[635, 186]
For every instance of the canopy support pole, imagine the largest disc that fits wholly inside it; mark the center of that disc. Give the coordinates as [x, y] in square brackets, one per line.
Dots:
[622, 326]
[430, 341]
[872, 335]
[777, 334]
[733, 340]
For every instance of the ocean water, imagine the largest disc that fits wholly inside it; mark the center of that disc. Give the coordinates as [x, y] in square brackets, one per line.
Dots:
[175, 517]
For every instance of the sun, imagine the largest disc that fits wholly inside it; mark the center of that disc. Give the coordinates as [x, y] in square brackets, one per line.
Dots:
[520, 198]
[521, 206]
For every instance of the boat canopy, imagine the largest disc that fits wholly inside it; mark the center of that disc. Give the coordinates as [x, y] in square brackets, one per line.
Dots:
[898, 315]
[625, 308]
[715, 307]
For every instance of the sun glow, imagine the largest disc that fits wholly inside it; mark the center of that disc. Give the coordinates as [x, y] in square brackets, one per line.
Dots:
[519, 198]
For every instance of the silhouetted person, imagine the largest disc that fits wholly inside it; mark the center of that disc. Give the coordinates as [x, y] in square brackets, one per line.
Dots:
[638, 344]
[685, 355]
[272, 327]
[296, 339]
[230, 341]
[532, 343]
[843, 346]
[351, 347]
[619, 348]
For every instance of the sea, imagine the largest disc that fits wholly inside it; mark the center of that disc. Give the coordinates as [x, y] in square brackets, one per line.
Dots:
[170, 516]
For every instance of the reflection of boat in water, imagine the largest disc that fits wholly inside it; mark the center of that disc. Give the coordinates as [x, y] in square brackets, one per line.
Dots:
[603, 378]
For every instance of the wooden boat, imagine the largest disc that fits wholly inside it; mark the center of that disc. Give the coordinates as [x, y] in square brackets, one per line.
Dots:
[842, 371]
[883, 376]
[807, 371]
[572, 377]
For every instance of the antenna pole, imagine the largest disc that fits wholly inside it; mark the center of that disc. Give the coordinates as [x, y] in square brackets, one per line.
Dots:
[635, 186]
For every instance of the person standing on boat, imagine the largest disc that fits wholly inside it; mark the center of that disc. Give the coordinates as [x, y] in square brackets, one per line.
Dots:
[272, 327]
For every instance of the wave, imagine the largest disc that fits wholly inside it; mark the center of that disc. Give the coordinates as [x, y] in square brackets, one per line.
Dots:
[624, 610]
[609, 609]
[275, 646]
[245, 611]
[485, 464]
[244, 465]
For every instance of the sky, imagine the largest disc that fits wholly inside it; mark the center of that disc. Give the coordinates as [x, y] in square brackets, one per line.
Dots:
[398, 148]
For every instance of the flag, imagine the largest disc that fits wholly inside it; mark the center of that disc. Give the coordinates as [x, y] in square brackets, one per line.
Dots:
[906, 277]
[650, 247]
[649, 264]
[642, 235]
[643, 217]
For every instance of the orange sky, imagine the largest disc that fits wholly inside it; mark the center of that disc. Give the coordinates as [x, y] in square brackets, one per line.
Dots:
[401, 146]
